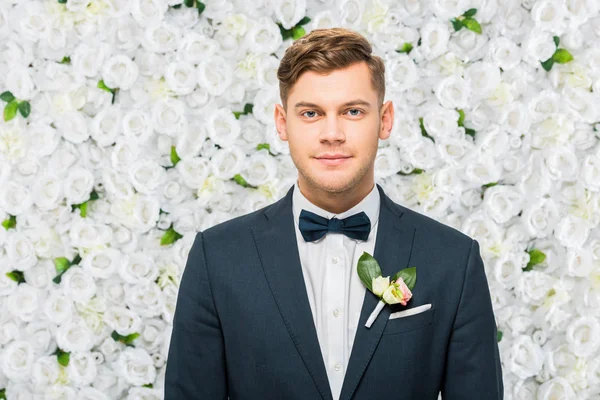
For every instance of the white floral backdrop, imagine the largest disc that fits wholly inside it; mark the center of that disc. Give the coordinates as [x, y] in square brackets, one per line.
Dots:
[129, 125]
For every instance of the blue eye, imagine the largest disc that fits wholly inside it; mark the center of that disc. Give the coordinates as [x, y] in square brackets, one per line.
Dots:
[351, 109]
[355, 109]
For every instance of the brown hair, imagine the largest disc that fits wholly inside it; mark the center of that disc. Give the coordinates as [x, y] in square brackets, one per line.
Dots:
[324, 50]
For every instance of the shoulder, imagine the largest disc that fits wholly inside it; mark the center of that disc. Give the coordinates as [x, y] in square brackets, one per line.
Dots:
[237, 225]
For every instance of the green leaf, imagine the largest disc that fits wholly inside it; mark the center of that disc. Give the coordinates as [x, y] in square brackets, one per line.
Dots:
[547, 65]
[83, 209]
[200, 6]
[248, 107]
[536, 256]
[2, 394]
[62, 1]
[174, 156]
[423, 131]
[240, 180]
[127, 340]
[148, 385]
[61, 264]
[461, 118]
[408, 275]
[261, 146]
[177, 6]
[406, 48]
[65, 60]
[285, 33]
[63, 358]
[470, 132]
[303, 21]
[562, 56]
[499, 335]
[25, 108]
[556, 41]
[298, 32]
[457, 24]
[10, 222]
[472, 25]
[487, 185]
[103, 86]
[470, 12]
[16, 276]
[170, 236]
[7, 97]
[189, 3]
[367, 269]
[10, 110]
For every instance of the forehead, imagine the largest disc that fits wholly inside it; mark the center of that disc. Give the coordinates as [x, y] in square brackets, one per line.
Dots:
[336, 86]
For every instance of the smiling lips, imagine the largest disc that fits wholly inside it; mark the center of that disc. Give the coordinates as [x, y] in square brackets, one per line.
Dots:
[333, 159]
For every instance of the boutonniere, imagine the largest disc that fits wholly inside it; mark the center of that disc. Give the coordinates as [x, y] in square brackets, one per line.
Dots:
[396, 289]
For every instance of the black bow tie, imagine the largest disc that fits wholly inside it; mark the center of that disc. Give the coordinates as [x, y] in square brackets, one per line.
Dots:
[313, 226]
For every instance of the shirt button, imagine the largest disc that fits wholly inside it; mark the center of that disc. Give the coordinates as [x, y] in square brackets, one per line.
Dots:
[335, 260]
[336, 313]
[338, 366]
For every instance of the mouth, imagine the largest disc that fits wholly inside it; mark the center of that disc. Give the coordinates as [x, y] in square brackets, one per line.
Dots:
[333, 160]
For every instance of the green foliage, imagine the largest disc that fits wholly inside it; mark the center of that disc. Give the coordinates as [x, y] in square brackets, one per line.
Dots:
[368, 268]
[170, 236]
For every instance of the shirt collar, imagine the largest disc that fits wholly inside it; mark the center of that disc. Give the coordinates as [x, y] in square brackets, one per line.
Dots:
[370, 205]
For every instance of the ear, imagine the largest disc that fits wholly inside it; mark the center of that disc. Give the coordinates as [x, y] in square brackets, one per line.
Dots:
[387, 120]
[281, 121]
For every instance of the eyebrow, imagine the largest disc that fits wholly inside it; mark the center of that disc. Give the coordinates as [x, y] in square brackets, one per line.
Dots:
[356, 102]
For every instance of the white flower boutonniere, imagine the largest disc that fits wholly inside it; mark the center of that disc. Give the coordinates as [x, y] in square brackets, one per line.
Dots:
[396, 289]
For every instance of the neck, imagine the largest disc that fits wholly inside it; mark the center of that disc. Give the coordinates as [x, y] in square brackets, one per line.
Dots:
[336, 202]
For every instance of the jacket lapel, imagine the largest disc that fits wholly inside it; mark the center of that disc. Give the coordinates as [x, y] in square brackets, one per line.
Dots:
[276, 242]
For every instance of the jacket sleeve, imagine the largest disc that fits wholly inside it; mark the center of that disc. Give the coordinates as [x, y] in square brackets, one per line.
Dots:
[473, 369]
[196, 366]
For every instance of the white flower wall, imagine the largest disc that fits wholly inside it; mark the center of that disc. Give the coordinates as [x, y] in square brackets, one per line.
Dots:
[129, 125]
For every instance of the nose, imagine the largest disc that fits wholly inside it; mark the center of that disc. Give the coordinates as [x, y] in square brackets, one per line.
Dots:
[333, 131]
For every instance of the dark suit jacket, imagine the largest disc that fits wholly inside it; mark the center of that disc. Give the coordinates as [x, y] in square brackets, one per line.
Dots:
[243, 327]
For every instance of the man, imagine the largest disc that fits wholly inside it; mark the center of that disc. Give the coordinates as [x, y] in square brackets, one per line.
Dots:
[271, 305]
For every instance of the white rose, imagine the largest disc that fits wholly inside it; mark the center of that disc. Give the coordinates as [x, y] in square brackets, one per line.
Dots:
[77, 284]
[81, 368]
[17, 360]
[548, 16]
[73, 127]
[45, 137]
[87, 60]
[144, 300]
[30, 20]
[538, 46]
[45, 371]
[116, 184]
[452, 150]
[222, 127]
[40, 275]
[181, 77]
[24, 302]
[215, 74]
[440, 122]
[74, 335]
[531, 287]
[380, 284]
[502, 203]
[20, 251]
[386, 162]
[136, 367]
[195, 48]
[579, 262]
[434, 39]
[106, 125]
[468, 45]
[421, 155]
[401, 73]
[540, 216]
[90, 393]
[260, 168]
[582, 335]
[557, 387]
[146, 175]
[151, 336]
[120, 72]
[78, 185]
[452, 92]
[448, 9]
[123, 320]
[482, 171]
[9, 330]
[288, 12]
[148, 13]
[58, 307]
[572, 231]
[504, 53]
[483, 79]
[101, 263]
[517, 120]
[112, 290]
[15, 198]
[507, 269]
[194, 171]
[20, 83]
[168, 116]
[524, 358]
[137, 126]
[227, 162]
[590, 172]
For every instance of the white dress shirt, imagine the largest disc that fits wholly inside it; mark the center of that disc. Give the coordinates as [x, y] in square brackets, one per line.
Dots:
[335, 291]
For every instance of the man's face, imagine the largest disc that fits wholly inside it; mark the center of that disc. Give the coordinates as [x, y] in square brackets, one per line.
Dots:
[323, 121]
